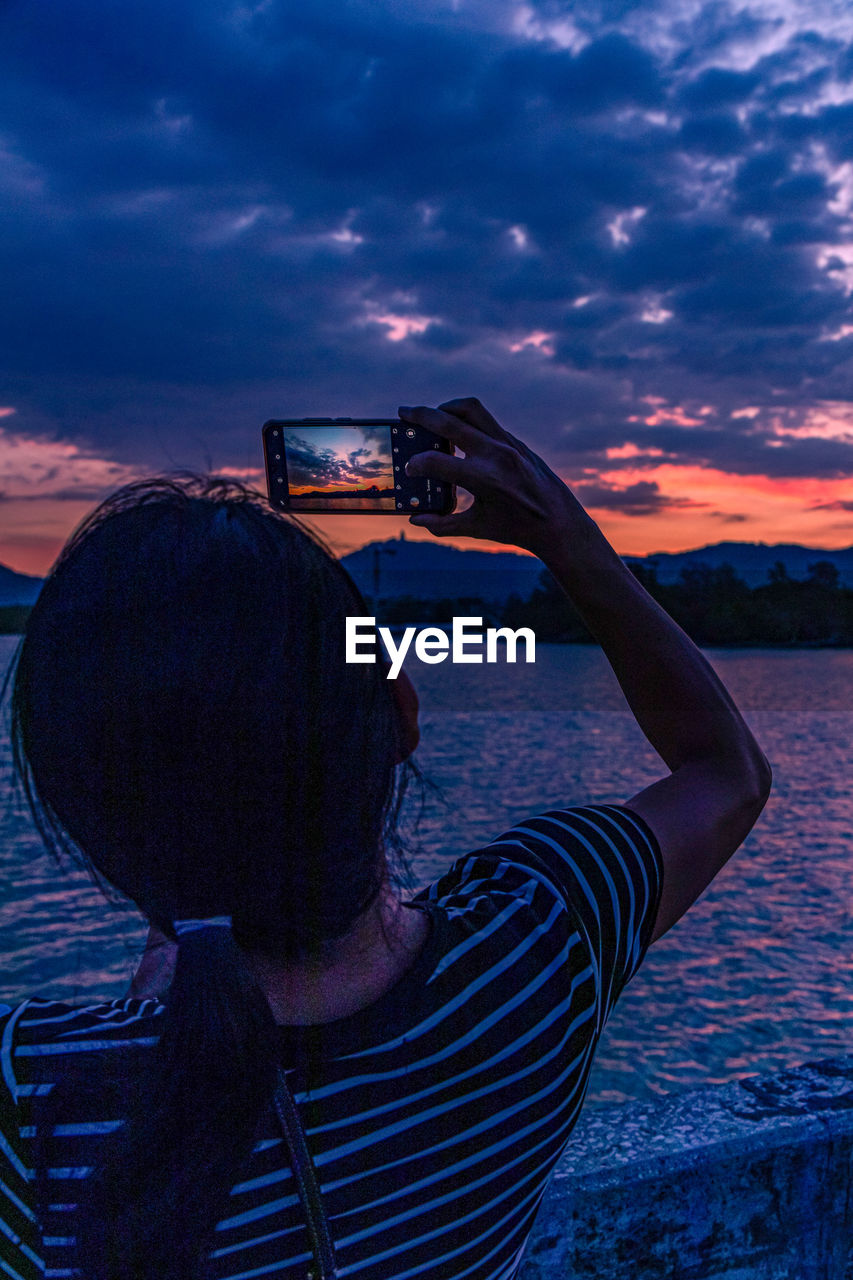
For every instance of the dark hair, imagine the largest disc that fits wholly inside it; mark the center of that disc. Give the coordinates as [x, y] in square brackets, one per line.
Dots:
[183, 719]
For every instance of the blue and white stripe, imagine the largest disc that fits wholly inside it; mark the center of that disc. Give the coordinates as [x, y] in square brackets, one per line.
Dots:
[433, 1137]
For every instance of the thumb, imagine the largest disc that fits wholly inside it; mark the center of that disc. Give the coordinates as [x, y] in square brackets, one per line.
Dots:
[444, 526]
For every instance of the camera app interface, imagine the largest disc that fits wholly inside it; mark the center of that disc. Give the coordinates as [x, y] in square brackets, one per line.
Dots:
[339, 468]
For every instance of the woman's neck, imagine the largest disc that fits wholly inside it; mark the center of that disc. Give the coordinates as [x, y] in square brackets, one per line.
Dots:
[382, 945]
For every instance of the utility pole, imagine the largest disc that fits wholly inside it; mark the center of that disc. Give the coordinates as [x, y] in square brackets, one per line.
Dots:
[377, 552]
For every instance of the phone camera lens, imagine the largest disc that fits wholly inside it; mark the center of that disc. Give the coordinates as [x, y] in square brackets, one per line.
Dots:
[414, 502]
[410, 432]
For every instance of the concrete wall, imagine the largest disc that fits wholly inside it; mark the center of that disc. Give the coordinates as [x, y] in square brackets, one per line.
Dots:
[743, 1181]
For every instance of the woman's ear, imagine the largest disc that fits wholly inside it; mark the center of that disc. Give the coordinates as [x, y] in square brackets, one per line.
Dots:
[406, 702]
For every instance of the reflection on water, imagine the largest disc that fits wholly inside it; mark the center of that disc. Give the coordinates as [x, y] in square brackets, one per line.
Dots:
[319, 502]
[752, 979]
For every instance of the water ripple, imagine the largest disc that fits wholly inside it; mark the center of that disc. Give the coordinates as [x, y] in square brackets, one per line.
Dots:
[752, 979]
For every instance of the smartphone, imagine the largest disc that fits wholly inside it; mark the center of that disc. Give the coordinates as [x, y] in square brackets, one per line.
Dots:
[352, 465]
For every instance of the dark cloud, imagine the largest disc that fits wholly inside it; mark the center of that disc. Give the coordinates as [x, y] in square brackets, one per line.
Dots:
[718, 133]
[718, 87]
[609, 72]
[832, 506]
[766, 188]
[641, 499]
[215, 213]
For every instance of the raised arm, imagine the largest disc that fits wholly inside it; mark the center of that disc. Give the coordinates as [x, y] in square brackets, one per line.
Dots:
[719, 777]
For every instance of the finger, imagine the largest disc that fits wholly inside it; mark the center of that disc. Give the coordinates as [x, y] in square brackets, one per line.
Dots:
[470, 410]
[443, 424]
[444, 466]
[458, 524]
[520, 446]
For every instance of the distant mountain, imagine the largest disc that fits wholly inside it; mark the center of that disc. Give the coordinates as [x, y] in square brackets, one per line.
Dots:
[750, 560]
[18, 588]
[435, 571]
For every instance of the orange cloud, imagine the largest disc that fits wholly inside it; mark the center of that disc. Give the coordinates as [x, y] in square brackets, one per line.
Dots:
[675, 415]
[36, 467]
[539, 339]
[633, 451]
[47, 487]
[753, 508]
[828, 420]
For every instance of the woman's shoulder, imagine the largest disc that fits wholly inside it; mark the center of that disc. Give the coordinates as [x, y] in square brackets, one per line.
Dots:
[594, 868]
[555, 849]
[47, 1011]
[42, 1027]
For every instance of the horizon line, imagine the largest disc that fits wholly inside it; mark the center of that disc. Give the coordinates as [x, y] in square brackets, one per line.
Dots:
[490, 548]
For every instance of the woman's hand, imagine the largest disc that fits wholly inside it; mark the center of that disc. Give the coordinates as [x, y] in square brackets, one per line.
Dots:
[517, 498]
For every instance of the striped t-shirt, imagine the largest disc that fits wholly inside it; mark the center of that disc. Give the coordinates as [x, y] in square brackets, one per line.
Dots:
[434, 1116]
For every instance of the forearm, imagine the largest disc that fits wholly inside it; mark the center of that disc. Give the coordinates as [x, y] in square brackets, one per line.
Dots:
[719, 778]
[679, 702]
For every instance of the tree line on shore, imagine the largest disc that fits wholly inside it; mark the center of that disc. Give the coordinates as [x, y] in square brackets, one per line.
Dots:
[713, 605]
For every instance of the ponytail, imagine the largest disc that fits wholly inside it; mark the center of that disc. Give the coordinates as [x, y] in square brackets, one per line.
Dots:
[166, 1174]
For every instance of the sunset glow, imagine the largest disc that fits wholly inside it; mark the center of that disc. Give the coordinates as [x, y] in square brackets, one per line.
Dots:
[51, 487]
[718, 507]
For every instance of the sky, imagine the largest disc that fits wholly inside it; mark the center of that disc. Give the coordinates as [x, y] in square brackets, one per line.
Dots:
[344, 458]
[626, 227]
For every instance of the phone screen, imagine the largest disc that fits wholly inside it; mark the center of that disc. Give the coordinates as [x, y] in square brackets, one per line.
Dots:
[351, 465]
[339, 468]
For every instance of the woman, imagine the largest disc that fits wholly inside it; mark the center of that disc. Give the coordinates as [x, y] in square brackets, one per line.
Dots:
[183, 714]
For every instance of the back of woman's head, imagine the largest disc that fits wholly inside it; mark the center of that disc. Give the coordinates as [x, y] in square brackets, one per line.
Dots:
[184, 706]
[183, 716]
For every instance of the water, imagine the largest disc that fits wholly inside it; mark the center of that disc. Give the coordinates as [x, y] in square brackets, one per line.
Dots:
[754, 978]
